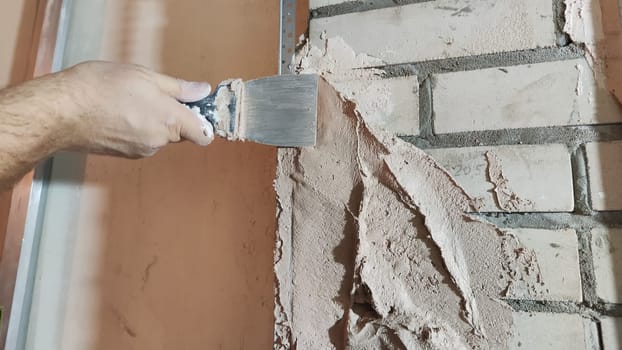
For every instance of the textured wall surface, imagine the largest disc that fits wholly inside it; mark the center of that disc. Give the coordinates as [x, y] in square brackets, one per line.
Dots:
[524, 83]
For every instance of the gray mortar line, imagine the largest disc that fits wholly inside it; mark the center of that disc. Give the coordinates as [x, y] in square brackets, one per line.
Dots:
[608, 309]
[580, 183]
[572, 136]
[426, 122]
[553, 221]
[586, 267]
[492, 60]
[550, 306]
[359, 6]
[566, 307]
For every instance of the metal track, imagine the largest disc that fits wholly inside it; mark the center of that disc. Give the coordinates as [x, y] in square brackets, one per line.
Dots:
[287, 36]
[47, 57]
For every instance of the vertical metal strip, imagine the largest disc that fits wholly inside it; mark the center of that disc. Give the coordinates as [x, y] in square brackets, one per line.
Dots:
[24, 282]
[61, 37]
[288, 36]
[47, 57]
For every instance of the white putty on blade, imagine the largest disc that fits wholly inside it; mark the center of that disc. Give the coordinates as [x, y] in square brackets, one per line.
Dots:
[228, 109]
[206, 126]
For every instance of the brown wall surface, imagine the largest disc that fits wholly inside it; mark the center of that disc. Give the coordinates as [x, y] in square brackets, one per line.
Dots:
[17, 19]
[175, 251]
[16, 26]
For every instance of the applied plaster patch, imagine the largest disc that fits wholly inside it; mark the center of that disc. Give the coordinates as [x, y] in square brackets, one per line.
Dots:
[374, 246]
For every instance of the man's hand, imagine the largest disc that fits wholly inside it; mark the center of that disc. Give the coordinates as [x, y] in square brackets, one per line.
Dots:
[99, 107]
[131, 111]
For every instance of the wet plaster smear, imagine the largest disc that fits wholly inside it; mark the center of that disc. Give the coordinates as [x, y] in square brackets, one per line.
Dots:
[374, 246]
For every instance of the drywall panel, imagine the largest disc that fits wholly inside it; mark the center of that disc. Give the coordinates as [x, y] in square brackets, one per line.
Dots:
[17, 19]
[16, 26]
[5, 203]
[173, 251]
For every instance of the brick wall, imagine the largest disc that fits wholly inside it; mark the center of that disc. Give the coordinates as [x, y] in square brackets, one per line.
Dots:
[500, 80]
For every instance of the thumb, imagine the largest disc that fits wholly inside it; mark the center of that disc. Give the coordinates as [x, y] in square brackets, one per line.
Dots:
[190, 91]
[195, 127]
[182, 90]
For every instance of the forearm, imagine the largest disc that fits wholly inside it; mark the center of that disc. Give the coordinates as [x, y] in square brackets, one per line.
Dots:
[35, 121]
[97, 107]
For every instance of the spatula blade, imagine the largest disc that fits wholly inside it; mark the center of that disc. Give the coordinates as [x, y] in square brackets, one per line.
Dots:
[280, 110]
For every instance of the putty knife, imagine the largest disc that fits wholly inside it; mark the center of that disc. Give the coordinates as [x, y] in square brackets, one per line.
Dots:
[279, 110]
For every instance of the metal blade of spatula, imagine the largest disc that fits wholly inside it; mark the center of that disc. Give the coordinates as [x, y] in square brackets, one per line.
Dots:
[279, 110]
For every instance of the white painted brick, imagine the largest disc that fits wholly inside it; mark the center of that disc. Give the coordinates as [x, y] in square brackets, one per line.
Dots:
[540, 174]
[442, 29]
[584, 22]
[539, 331]
[313, 4]
[527, 96]
[607, 255]
[611, 330]
[558, 258]
[391, 104]
[604, 165]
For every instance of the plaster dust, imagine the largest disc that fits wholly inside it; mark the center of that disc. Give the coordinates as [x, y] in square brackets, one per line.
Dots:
[506, 199]
[374, 249]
